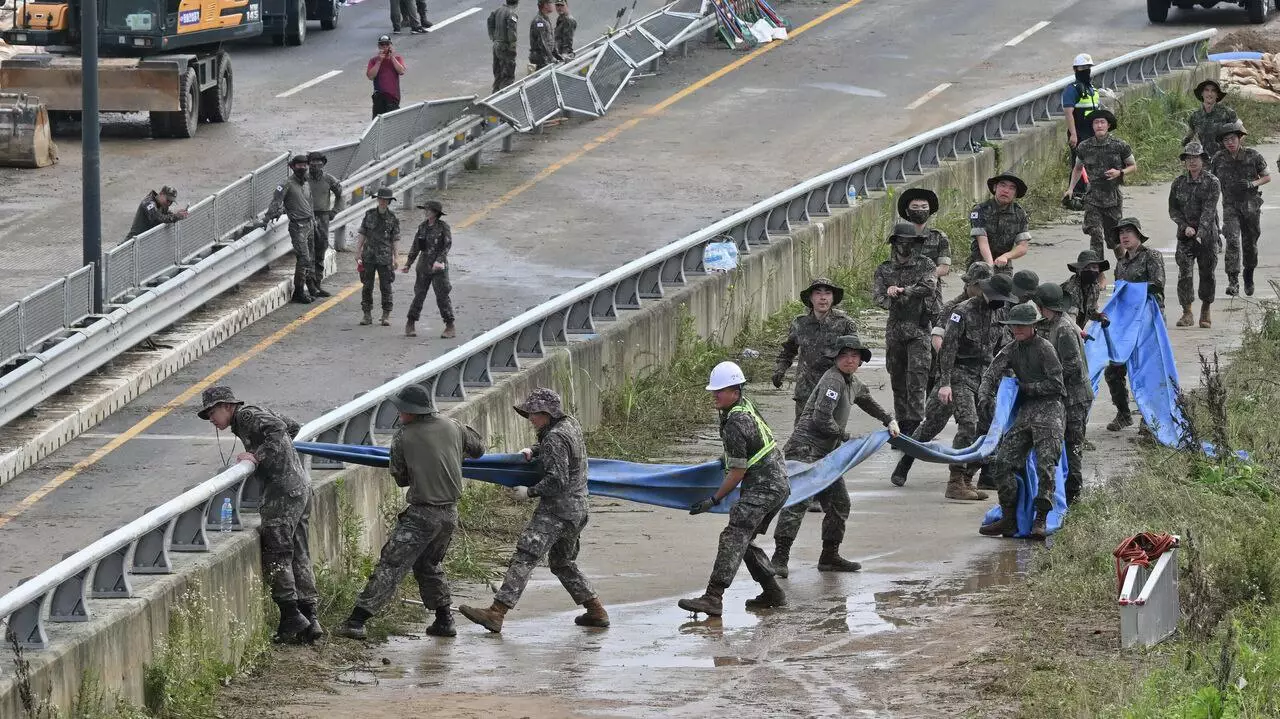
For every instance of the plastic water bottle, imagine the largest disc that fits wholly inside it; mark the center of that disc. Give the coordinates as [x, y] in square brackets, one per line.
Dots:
[225, 519]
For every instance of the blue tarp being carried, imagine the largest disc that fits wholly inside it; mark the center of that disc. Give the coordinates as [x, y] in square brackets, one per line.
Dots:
[1137, 337]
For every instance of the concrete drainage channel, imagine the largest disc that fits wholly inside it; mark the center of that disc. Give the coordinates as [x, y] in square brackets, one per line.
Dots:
[799, 238]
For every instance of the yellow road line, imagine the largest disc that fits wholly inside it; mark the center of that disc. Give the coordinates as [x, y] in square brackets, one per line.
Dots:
[262, 346]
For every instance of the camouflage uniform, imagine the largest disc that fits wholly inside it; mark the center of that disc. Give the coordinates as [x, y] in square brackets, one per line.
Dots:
[542, 47]
[293, 198]
[503, 30]
[1103, 204]
[150, 215]
[381, 231]
[1084, 300]
[326, 201]
[937, 247]
[433, 242]
[555, 529]
[1004, 227]
[1241, 205]
[1064, 335]
[1206, 126]
[908, 354]
[820, 430]
[286, 502]
[423, 531]
[1145, 265]
[1038, 424]
[1194, 203]
[566, 26]
[763, 492]
[811, 339]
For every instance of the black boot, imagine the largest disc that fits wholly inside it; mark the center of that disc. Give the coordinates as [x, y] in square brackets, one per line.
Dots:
[1006, 526]
[771, 597]
[710, 603]
[300, 293]
[1248, 281]
[781, 555]
[899, 476]
[315, 631]
[443, 625]
[291, 622]
[353, 628]
[313, 285]
[831, 561]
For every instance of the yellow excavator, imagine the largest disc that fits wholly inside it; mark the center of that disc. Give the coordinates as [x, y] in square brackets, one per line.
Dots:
[163, 57]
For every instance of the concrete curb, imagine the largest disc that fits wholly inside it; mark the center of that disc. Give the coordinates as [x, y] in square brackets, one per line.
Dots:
[64, 417]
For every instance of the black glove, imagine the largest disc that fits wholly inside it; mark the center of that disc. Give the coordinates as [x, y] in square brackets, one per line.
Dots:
[777, 378]
[703, 505]
[1104, 320]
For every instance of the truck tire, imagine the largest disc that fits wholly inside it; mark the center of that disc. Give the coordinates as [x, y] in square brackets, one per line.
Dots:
[295, 27]
[1157, 10]
[329, 14]
[1257, 10]
[185, 122]
[216, 102]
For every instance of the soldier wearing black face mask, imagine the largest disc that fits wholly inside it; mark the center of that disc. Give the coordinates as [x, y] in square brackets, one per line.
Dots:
[1084, 286]
[1079, 99]
[916, 206]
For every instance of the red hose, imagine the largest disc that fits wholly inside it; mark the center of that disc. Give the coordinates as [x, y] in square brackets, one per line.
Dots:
[1142, 550]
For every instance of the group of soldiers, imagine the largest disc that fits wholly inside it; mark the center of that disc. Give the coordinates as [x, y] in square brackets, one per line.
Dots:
[549, 41]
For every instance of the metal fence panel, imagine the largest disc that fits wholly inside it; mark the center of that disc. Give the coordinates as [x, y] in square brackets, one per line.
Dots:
[511, 107]
[367, 150]
[340, 156]
[232, 205]
[42, 312]
[666, 27]
[610, 75]
[79, 301]
[397, 130]
[10, 333]
[119, 271]
[575, 94]
[544, 101]
[438, 113]
[157, 251]
[636, 46]
[197, 231]
[265, 181]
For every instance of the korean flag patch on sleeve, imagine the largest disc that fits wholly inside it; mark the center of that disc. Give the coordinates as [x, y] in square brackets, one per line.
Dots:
[955, 316]
[832, 394]
[974, 215]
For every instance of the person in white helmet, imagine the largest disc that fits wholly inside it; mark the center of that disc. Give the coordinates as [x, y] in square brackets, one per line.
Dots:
[1079, 99]
[753, 463]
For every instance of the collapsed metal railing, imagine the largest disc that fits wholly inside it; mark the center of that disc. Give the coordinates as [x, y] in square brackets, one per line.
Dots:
[101, 571]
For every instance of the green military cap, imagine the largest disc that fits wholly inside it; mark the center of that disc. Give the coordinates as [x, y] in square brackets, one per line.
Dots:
[1022, 315]
[214, 396]
[1089, 257]
[850, 342]
[1194, 149]
[1050, 296]
[413, 399]
[1105, 114]
[1131, 222]
[906, 231]
[1235, 128]
[836, 290]
[1025, 283]
[997, 287]
[542, 400]
[977, 272]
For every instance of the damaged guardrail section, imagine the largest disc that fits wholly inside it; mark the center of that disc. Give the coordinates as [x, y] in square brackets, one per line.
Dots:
[101, 571]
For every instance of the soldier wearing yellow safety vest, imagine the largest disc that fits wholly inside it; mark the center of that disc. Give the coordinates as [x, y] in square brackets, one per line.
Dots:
[753, 463]
[1079, 99]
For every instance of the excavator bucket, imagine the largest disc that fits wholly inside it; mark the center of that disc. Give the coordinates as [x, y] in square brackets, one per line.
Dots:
[25, 135]
[124, 84]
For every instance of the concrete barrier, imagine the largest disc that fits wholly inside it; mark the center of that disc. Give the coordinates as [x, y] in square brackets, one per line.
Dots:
[118, 643]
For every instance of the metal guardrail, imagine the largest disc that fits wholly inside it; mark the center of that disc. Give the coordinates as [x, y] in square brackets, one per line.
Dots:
[101, 570]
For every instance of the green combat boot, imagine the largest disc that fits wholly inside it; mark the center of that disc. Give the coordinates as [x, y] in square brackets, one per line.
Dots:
[710, 603]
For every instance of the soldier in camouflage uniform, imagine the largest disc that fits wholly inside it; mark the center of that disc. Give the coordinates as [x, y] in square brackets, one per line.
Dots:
[376, 255]
[555, 529]
[972, 278]
[504, 29]
[326, 201]
[1136, 263]
[1107, 159]
[285, 510]
[1206, 122]
[1084, 286]
[820, 430]
[1025, 283]
[754, 465]
[906, 285]
[566, 26]
[1038, 423]
[426, 457]
[294, 199]
[1000, 227]
[968, 345]
[1064, 335]
[432, 242]
[1193, 206]
[542, 46]
[811, 337]
[916, 205]
[1241, 171]
[154, 211]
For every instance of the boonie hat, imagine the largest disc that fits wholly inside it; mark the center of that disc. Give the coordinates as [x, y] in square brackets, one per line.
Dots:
[214, 396]
[434, 206]
[1022, 315]
[1131, 222]
[385, 193]
[917, 193]
[1050, 296]
[836, 290]
[1235, 128]
[1193, 149]
[1089, 257]
[1106, 115]
[1199, 91]
[977, 272]
[851, 342]
[542, 400]
[1025, 282]
[906, 231]
[997, 287]
[414, 399]
[1017, 182]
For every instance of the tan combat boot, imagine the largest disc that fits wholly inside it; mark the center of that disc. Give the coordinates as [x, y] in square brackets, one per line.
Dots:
[968, 483]
[957, 488]
[409, 330]
[1206, 319]
[386, 318]
[490, 618]
[1006, 526]
[449, 332]
[710, 603]
[596, 616]
[1186, 320]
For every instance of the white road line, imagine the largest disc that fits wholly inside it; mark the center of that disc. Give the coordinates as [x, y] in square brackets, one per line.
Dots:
[928, 96]
[455, 18]
[1028, 33]
[309, 83]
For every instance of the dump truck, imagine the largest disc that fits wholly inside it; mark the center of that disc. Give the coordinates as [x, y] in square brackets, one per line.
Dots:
[164, 57]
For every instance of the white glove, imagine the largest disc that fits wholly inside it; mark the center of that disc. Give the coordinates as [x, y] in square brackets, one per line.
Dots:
[522, 492]
[528, 454]
[893, 428]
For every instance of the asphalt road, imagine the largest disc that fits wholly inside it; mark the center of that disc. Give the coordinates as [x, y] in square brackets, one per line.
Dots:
[679, 151]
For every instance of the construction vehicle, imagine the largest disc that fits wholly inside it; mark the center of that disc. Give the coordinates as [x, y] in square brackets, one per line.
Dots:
[163, 57]
[1158, 10]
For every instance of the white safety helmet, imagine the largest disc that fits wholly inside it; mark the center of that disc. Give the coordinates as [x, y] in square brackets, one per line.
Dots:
[726, 374]
[1082, 60]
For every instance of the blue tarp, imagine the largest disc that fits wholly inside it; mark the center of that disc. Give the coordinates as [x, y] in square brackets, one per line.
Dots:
[1137, 337]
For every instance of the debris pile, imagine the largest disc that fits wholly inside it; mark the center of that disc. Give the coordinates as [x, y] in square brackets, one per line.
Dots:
[1254, 79]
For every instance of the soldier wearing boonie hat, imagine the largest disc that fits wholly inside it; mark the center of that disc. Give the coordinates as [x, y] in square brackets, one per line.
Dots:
[154, 211]
[432, 242]
[999, 227]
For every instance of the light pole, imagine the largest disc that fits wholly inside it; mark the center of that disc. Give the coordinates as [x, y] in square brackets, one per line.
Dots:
[91, 161]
